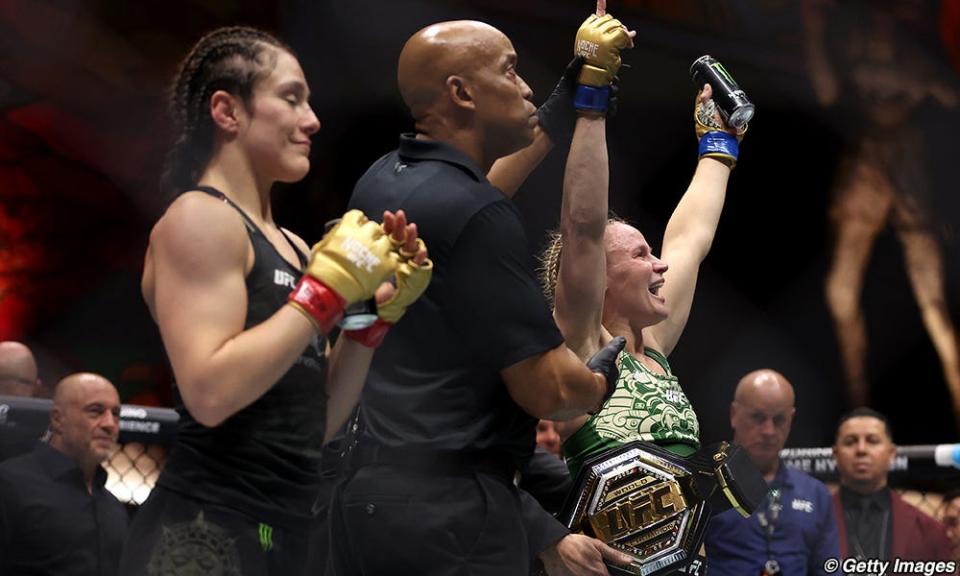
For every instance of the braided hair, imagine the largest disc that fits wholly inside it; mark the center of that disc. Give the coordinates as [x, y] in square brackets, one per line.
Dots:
[232, 59]
[549, 269]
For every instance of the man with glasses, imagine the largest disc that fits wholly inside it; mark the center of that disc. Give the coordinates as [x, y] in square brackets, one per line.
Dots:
[793, 532]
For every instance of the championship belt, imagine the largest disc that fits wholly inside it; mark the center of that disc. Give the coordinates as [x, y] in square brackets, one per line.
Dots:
[654, 505]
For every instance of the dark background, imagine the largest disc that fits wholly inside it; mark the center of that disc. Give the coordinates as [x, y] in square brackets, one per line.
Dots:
[83, 133]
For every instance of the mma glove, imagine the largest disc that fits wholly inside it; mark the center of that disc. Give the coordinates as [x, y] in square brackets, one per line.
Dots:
[605, 362]
[411, 281]
[717, 140]
[346, 265]
[599, 41]
[557, 116]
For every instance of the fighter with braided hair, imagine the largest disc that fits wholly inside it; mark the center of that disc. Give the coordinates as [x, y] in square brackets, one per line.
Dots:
[605, 281]
[244, 308]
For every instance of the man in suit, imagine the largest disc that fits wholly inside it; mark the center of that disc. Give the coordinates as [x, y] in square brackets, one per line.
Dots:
[874, 522]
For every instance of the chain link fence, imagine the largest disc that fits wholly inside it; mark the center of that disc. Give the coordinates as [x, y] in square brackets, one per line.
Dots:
[132, 471]
[928, 502]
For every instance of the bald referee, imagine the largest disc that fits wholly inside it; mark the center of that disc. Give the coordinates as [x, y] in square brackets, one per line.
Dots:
[452, 399]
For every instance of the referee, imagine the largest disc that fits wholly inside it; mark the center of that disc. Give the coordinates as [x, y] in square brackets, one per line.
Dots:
[453, 395]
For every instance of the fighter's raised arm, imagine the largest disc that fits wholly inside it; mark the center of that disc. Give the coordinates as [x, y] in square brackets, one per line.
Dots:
[575, 266]
[693, 224]
[607, 281]
[557, 118]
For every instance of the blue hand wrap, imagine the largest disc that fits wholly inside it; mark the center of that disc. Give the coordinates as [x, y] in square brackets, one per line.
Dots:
[591, 97]
[720, 143]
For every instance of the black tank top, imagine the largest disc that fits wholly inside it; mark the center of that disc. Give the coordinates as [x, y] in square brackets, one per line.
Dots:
[264, 460]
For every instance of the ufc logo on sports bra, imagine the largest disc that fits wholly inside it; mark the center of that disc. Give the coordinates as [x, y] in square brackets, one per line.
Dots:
[360, 255]
[281, 278]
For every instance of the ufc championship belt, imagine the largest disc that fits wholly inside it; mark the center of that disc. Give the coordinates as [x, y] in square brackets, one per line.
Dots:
[654, 505]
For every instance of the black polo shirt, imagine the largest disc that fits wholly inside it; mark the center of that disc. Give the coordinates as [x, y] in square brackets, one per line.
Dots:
[50, 525]
[435, 381]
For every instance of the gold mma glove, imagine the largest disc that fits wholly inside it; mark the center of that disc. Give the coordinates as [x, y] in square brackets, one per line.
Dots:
[717, 140]
[346, 265]
[599, 42]
[412, 280]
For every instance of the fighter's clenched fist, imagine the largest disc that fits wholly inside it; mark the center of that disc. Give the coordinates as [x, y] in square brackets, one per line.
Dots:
[599, 41]
[717, 140]
[412, 276]
[346, 265]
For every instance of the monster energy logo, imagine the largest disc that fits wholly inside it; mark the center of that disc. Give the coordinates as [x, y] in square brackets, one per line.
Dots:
[723, 72]
[266, 537]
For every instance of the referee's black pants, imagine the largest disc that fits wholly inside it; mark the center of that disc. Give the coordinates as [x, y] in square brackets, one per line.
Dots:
[388, 520]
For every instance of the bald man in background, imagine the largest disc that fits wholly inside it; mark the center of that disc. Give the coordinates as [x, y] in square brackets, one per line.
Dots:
[793, 531]
[56, 517]
[18, 377]
[18, 371]
[450, 406]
